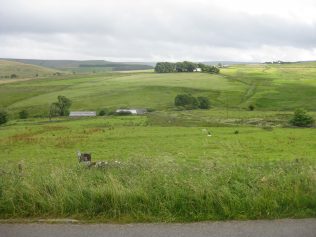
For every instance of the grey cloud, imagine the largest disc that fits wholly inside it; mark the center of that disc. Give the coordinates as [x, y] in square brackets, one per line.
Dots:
[146, 30]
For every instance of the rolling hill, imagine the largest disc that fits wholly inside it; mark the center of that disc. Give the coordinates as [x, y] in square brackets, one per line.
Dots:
[85, 66]
[22, 70]
[267, 87]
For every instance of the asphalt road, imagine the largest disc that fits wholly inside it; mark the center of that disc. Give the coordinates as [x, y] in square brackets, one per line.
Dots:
[275, 228]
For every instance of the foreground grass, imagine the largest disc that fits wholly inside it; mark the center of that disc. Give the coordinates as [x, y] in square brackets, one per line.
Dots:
[163, 191]
[166, 173]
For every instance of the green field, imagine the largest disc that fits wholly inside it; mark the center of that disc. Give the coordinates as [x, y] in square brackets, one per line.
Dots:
[269, 88]
[162, 166]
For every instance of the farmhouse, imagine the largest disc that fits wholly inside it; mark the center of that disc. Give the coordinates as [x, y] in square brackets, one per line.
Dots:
[83, 114]
[198, 69]
[132, 111]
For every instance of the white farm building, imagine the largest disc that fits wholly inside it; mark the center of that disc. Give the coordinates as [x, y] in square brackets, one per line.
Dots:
[198, 69]
[132, 111]
[83, 114]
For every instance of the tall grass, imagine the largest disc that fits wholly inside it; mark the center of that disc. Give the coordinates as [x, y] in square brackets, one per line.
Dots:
[155, 190]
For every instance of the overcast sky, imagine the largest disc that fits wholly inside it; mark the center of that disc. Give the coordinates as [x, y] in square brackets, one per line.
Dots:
[155, 30]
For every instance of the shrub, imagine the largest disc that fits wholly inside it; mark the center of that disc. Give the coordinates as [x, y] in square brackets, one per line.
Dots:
[213, 69]
[204, 103]
[187, 101]
[251, 107]
[3, 117]
[301, 119]
[23, 114]
[150, 110]
[103, 112]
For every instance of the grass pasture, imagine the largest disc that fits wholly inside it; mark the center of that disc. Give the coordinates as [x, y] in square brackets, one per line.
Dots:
[166, 173]
[163, 167]
[268, 87]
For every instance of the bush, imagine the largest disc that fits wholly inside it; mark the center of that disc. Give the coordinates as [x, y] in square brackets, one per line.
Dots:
[251, 107]
[23, 114]
[3, 117]
[213, 69]
[187, 101]
[204, 103]
[150, 110]
[301, 119]
[103, 112]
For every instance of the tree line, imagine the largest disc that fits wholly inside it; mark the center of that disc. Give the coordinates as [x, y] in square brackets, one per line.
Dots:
[186, 66]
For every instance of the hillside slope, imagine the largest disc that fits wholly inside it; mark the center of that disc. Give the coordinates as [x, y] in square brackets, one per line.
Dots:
[22, 70]
[268, 88]
[85, 66]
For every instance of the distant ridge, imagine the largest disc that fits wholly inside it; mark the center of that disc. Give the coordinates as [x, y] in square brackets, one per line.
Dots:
[83, 65]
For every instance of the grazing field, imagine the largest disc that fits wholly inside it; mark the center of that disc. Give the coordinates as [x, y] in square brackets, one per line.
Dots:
[268, 87]
[163, 174]
[169, 165]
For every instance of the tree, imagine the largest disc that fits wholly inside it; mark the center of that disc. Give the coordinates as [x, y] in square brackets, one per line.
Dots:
[3, 117]
[186, 66]
[23, 114]
[204, 103]
[203, 67]
[189, 66]
[63, 104]
[180, 67]
[61, 107]
[165, 67]
[213, 69]
[187, 101]
[301, 119]
[12, 76]
[53, 110]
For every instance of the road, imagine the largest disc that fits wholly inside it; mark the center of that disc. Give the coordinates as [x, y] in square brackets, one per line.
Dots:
[274, 228]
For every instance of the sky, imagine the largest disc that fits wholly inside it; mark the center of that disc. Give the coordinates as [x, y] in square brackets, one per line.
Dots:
[159, 30]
